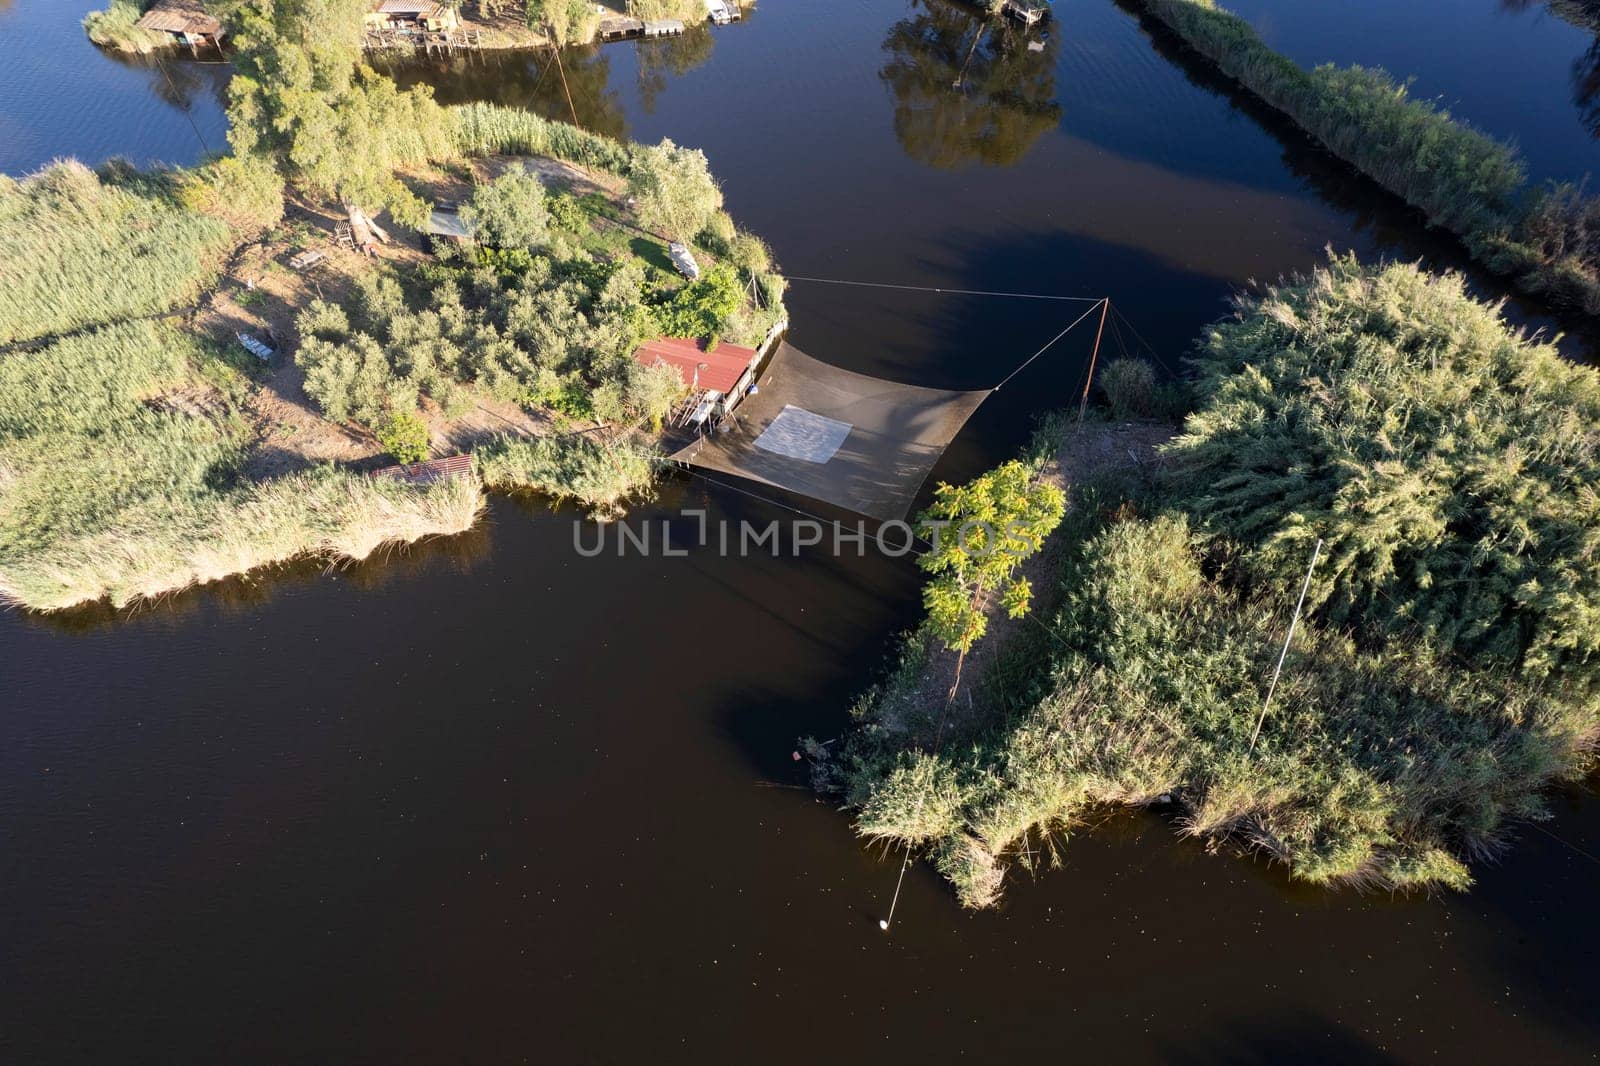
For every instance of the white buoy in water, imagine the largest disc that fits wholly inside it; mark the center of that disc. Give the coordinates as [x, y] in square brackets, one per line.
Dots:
[883, 923]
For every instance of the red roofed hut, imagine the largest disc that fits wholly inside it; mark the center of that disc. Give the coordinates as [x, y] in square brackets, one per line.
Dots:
[717, 378]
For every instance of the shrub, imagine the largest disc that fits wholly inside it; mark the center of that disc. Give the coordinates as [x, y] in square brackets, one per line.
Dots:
[510, 212]
[1446, 461]
[1130, 388]
[700, 308]
[245, 193]
[599, 474]
[489, 129]
[405, 437]
[116, 27]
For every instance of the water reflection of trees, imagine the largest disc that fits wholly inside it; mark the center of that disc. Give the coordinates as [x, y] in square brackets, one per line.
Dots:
[1584, 14]
[670, 57]
[967, 89]
[180, 79]
[528, 80]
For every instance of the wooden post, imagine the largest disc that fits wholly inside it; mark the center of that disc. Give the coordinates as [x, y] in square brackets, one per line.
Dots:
[1083, 404]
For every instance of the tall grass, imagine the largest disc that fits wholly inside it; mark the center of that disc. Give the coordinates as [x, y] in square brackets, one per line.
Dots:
[601, 475]
[1443, 673]
[82, 251]
[1461, 179]
[1382, 769]
[176, 541]
[119, 476]
[115, 28]
[489, 129]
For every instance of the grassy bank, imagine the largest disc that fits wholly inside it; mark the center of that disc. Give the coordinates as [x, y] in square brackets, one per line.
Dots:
[115, 28]
[1439, 681]
[121, 457]
[132, 426]
[602, 475]
[1464, 181]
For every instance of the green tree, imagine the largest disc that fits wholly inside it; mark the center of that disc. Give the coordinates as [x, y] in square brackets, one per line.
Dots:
[510, 211]
[565, 21]
[701, 308]
[1449, 464]
[303, 96]
[673, 190]
[652, 391]
[985, 528]
[404, 435]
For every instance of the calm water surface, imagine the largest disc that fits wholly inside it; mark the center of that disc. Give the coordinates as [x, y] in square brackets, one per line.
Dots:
[487, 800]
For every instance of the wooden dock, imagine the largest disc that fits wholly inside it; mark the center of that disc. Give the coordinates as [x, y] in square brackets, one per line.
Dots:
[391, 40]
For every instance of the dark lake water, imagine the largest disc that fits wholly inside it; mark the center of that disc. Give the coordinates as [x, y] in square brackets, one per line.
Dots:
[487, 800]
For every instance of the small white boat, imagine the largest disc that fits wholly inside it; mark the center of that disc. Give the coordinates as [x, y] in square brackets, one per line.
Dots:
[683, 259]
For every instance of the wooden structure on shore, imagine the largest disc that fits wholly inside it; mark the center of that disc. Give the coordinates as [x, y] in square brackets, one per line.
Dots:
[186, 20]
[432, 26]
[624, 29]
[620, 28]
[721, 12]
[1028, 14]
[426, 473]
[426, 16]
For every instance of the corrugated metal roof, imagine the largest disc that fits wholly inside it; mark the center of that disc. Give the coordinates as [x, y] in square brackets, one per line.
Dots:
[443, 223]
[430, 471]
[723, 366]
[179, 16]
[409, 7]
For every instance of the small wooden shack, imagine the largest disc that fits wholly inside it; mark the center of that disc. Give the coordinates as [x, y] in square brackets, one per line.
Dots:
[186, 20]
[421, 16]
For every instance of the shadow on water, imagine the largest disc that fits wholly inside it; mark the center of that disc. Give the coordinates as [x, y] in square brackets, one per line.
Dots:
[180, 79]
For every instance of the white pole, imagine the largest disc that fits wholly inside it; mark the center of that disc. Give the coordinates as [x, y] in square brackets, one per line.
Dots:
[884, 923]
[1295, 621]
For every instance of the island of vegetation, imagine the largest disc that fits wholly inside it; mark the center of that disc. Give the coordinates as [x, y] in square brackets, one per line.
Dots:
[1546, 239]
[1443, 674]
[121, 26]
[143, 449]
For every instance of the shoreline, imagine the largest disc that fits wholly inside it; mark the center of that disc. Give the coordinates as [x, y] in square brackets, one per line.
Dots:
[257, 426]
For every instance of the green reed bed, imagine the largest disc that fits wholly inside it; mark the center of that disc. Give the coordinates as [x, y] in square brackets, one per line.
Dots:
[120, 454]
[1461, 179]
[84, 251]
[1441, 678]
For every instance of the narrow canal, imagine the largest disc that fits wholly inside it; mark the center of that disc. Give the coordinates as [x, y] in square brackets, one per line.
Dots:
[489, 800]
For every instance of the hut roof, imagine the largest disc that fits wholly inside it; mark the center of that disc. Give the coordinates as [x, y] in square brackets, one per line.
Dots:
[179, 16]
[723, 366]
[429, 471]
[429, 8]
